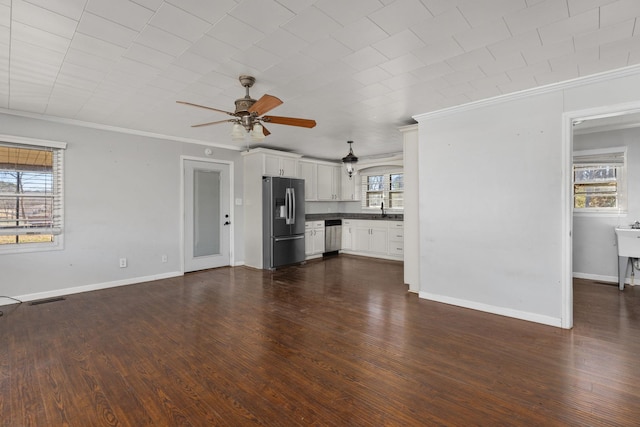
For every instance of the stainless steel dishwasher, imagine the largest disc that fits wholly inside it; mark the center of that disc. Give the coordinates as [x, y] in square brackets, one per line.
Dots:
[332, 236]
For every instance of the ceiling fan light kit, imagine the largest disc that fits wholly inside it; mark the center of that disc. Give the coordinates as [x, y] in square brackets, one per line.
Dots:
[249, 114]
[257, 133]
[237, 132]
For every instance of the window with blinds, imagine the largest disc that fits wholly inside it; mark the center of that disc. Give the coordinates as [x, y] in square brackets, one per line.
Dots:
[599, 180]
[382, 187]
[31, 194]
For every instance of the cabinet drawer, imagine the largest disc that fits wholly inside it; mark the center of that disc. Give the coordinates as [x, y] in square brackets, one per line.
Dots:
[393, 225]
[396, 248]
[318, 224]
[396, 234]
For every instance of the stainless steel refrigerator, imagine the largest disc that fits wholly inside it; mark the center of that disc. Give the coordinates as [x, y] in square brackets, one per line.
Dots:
[282, 221]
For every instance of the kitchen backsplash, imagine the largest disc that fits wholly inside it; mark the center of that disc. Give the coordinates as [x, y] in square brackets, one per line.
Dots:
[346, 215]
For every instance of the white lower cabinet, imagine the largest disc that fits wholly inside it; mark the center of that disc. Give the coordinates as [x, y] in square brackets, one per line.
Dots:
[371, 237]
[347, 235]
[382, 239]
[396, 239]
[313, 238]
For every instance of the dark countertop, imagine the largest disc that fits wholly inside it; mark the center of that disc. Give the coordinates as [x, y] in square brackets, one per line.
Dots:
[365, 216]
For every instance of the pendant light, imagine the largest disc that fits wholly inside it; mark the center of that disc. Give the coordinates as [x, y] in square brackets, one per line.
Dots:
[349, 160]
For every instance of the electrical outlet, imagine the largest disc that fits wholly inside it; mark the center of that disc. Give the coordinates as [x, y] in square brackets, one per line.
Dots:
[123, 262]
[164, 258]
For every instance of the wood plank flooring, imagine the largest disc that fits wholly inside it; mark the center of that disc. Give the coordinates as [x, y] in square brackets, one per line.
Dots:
[338, 342]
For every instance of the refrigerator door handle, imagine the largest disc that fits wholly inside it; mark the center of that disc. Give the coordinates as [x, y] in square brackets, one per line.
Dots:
[281, 239]
[293, 205]
[286, 206]
[287, 202]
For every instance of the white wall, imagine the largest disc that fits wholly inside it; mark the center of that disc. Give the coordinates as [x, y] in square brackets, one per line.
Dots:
[492, 213]
[122, 199]
[324, 207]
[489, 207]
[594, 242]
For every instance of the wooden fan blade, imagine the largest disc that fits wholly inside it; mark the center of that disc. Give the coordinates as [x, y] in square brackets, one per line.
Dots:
[204, 106]
[264, 104]
[265, 131]
[211, 123]
[289, 121]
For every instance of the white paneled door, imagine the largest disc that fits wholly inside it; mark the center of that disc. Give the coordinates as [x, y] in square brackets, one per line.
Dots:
[207, 220]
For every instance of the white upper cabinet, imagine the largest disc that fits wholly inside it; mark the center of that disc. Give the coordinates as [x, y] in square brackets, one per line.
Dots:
[323, 180]
[280, 166]
[272, 162]
[350, 186]
[329, 186]
[309, 172]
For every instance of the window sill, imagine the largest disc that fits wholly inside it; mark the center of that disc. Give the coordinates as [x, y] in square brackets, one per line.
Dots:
[600, 213]
[30, 248]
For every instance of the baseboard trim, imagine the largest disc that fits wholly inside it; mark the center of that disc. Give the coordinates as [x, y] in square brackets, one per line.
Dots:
[368, 255]
[502, 311]
[600, 278]
[97, 286]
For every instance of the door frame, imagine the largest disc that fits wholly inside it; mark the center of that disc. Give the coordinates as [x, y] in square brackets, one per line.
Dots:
[232, 251]
[567, 194]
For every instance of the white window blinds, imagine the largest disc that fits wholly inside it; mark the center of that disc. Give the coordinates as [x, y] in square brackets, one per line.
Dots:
[31, 192]
[598, 180]
[380, 186]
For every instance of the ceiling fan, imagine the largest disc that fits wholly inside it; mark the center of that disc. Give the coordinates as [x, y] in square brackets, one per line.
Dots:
[249, 114]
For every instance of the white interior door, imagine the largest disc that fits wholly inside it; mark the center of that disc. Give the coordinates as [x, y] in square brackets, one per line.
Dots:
[207, 219]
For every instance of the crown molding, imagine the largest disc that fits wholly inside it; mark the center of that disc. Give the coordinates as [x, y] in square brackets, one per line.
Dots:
[90, 125]
[408, 128]
[553, 87]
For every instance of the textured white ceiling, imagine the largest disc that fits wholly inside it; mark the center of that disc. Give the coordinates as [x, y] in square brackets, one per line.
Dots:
[360, 68]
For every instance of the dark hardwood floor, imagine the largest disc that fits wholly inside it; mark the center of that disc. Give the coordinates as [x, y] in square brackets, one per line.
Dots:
[338, 342]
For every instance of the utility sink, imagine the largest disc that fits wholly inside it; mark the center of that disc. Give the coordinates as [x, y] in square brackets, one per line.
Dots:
[628, 247]
[628, 242]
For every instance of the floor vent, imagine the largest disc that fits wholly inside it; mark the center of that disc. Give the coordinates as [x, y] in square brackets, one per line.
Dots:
[45, 301]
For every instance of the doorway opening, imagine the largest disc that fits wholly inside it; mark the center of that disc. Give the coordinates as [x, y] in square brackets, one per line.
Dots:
[583, 131]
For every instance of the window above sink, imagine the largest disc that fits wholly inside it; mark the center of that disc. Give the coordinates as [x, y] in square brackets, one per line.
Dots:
[382, 185]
